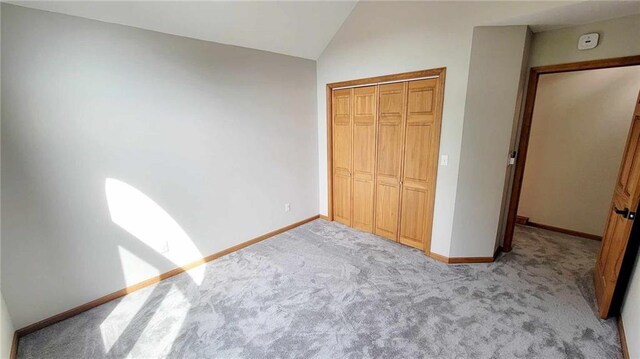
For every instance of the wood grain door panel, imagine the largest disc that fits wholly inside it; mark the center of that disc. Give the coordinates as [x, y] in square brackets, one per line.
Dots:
[342, 154]
[628, 179]
[387, 200]
[417, 153]
[618, 230]
[414, 212]
[364, 147]
[342, 199]
[384, 142]
[391, 118]
[418, 170]
[389, 147]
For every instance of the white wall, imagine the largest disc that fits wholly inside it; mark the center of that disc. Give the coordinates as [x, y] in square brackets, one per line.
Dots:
[373, 41]
[619, 37]
[631, 313]
[6, 325]
[580, 125]
[496, 80]
[6, 330]
[220, 137]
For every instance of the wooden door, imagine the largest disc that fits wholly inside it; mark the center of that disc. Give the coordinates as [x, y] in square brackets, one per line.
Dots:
[342, 155]
[419, 164]
[391, 119]
[364, 146]
[621, 216]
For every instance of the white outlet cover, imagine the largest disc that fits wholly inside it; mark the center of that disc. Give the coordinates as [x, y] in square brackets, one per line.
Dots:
[164, 248]
[588, 41]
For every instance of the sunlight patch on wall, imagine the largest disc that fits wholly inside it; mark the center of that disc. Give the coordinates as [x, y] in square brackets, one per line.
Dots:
[147, 221]
[134, 268]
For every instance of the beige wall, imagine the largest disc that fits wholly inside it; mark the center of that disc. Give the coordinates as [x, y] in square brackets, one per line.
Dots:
[498, 57]
[580, 125]
[6, 325]
[618, 38]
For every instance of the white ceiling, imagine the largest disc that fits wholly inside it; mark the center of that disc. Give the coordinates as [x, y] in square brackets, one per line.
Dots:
[300, 28]
[571, 13]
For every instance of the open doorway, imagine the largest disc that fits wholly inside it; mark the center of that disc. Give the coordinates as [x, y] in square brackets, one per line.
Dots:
[578, 134]
[579, 141]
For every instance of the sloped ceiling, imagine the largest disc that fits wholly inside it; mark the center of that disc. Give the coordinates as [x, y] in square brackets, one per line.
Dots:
[301, 28]
[296, 28]
[571, 13]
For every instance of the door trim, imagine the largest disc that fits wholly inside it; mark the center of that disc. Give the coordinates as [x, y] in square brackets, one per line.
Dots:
[525, 130]
[570, 232]
[399, 77]
[623, 338]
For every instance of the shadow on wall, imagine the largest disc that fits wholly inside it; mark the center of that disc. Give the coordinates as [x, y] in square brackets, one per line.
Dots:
[130, 328]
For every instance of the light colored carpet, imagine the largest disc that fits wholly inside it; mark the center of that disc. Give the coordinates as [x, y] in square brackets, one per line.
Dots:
[324, 290]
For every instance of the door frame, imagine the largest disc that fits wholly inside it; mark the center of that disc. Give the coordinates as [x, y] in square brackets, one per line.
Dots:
[525, 129]
[399, 77]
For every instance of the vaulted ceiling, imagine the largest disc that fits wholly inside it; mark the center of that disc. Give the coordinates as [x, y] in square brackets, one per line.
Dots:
[298, 28]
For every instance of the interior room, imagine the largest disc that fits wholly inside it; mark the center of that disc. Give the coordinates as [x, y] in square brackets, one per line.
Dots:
[579, 128]
[319, 179]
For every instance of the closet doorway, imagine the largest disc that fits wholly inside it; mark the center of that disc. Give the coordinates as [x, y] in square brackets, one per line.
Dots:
[383, 137]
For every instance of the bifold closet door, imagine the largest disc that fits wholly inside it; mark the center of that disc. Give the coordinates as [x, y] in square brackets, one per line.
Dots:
[342, 147]
[391, 118]
[364, 147]
[385, 156]
[419, 164]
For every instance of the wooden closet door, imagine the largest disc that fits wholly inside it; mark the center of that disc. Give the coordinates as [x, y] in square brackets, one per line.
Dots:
[419, 170]
[391, 116]
[342, 147]
[364, 146]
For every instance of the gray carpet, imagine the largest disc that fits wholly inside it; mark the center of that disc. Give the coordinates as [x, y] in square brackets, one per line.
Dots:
[323, 290]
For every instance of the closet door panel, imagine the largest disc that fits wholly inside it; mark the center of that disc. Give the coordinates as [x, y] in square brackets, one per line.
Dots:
[418, 174]
[387, 197]
[364, 145]
[412, 224]
[342, 147]
[363, 204]
[418, 143]
[389, 147]
[342, 199]
[392, 100]
[342, 155]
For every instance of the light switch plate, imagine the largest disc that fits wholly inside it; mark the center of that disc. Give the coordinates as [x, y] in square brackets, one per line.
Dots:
[444, 160]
